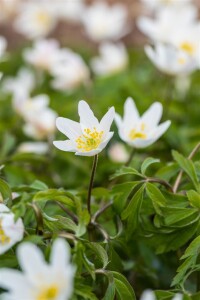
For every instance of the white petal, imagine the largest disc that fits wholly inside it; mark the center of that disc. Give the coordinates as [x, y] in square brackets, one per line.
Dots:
[12, 279]
[107, 120]
[87, 118]
[32, 262]
[118, 120]
[60, 254]
[89, 153]
[15, 230]
[107, 139]
[148, 295]
[153, 115]
[142, 143]
[68, 127]
[65, 145]
[131, 115]
[160, 130]
[3, 208]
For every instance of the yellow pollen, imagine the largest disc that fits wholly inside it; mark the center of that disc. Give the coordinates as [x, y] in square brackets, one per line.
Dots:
[90, 140]
[43, 18]
[187, 47]
[50, 293]
[138, 134]
[4, 239]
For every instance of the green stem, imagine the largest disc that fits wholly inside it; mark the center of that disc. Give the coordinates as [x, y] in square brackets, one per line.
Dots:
[94, 166]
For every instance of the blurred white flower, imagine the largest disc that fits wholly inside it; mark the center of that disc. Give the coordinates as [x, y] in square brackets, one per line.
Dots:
[39, 118]
[33, 147]
[3, 45]
[118, 153]
[40, 280]
[36, 19]
[170, 60]
[69, 10]
[89, 137]
[143, 131]
[11, 232]
[8, 9]
[21, 85]
[163, 27]
[42, 54]
[69, 70]
[157, 4]
[104, 22]
[113, 59]
[149, 295]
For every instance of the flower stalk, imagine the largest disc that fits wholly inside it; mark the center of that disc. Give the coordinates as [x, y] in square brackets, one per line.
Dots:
[94, 166]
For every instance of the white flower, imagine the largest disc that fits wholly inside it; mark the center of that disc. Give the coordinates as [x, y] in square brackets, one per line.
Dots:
[143, 131]
[36, 19]
[40, 280]
[42, 54]
[104, 22]
[3, 44]
[21, 85]
[157, 4]
[89, 137]
[118, 153]
[163, 27]
[113, 59]
[11, 232]
[40, 119]
[33, 147]
[149, 295]
[69, 70]
[69, 10]
[171, 60]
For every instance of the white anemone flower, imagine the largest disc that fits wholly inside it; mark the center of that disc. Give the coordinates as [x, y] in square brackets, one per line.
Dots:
[40, 280]
[104, 22]
[36, 19]
[149, 295]
[21, 85]
[69, 71]
[33, 147]
[167, 20]
[11, 232]
[143, 131]
[171, 60]
[43, 54]
[157, 4]
[113, 59]
[89, 137]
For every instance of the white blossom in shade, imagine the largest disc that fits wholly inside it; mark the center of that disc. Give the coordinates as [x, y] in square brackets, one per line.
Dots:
[36, 19]
[33, 147]
[69, 10]
[21, 85]
[89, 137]
[118, 153]
[113, 59]
[171, 60]
[11, 232]
[3, 45]
[157, 4]
[143, 131]
[104, 22]
[69, 71]
[39, 279]
[167, 20]
[149, 295]
[43, 54]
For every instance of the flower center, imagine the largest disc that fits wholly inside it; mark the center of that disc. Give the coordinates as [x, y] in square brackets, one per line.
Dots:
[4, 239]
[188, 47]
[49, 294]
[43, 19]
[138, 134]
[90, 140]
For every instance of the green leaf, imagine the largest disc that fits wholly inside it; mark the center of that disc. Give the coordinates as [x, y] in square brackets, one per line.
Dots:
[123, 287]
[147, 162]
[100, 253]
[126, 171]
[193, 248]
[194, 198]
[39, 185]
[188, 167]
[156, 196]
[5, 191]
[54, 195]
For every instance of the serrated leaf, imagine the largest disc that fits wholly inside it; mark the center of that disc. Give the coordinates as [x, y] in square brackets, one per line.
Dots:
[148, 162]
[54, 195]
[100, 252]
[126, 171]
[194, 198]
[156, 196]
[123, 287]
[39, 185]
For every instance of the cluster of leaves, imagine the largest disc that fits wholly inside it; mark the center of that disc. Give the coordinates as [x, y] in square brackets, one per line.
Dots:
[145, 218]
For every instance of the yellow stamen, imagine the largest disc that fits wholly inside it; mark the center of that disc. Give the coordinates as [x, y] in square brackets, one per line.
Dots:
[138, 134]
[43, 18]
[50, 293]
[90, 140]
[4, 239]
[188, 47]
